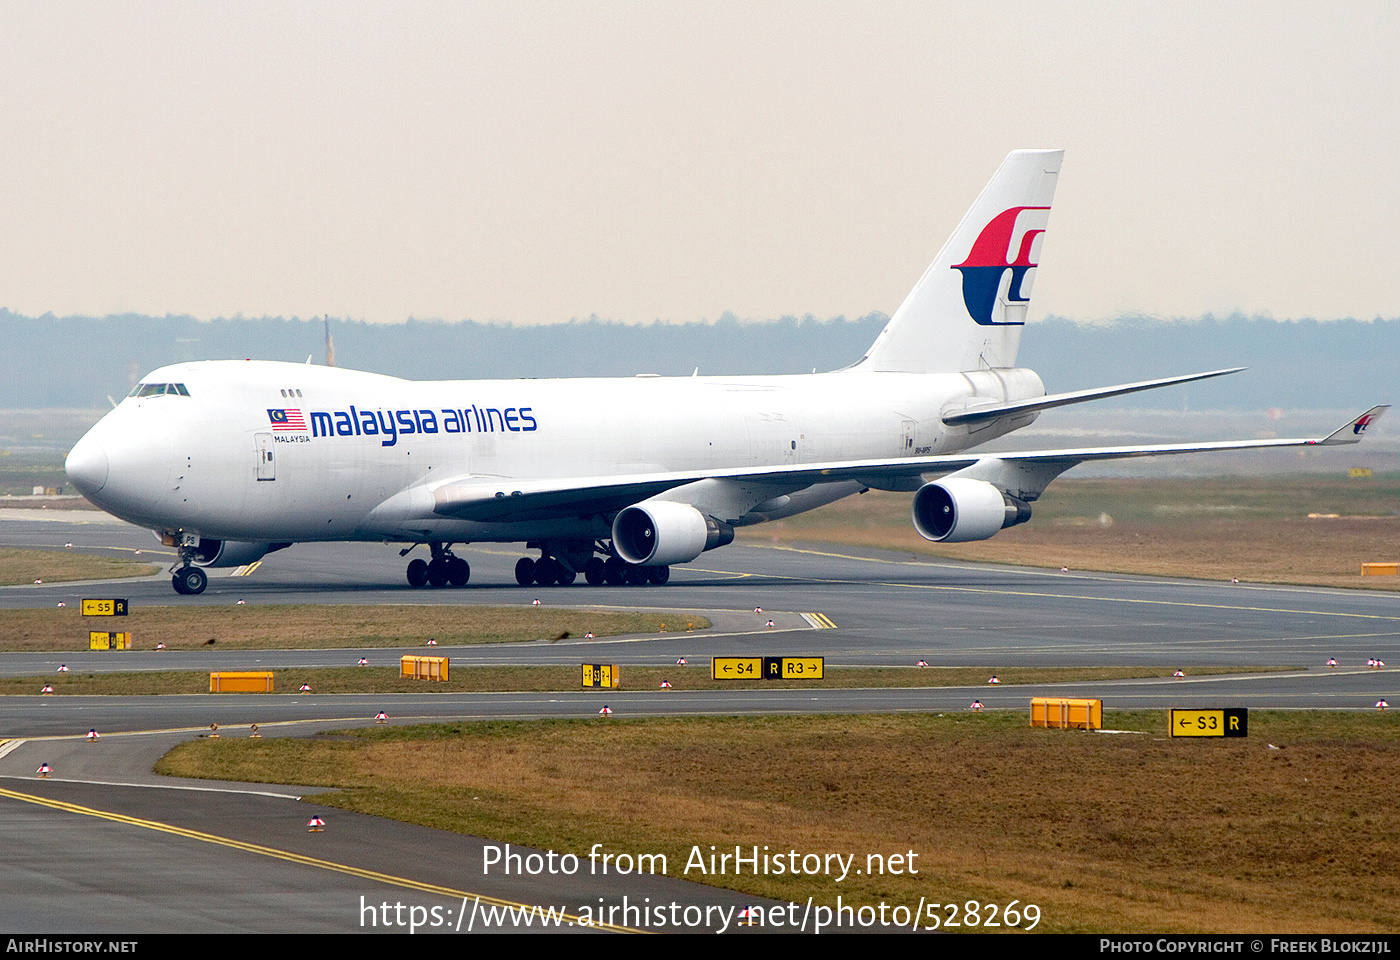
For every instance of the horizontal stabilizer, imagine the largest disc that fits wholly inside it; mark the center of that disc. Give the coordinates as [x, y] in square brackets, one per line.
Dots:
[981, 414]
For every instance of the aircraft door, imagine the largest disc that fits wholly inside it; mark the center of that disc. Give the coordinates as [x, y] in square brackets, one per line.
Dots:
[267, 464]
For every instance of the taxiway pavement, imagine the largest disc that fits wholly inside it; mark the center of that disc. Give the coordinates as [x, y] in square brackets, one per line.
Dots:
[109, 847]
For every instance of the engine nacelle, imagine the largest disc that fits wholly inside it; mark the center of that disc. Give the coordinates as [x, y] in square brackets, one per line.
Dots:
[232, 553]
[660, 532]
[958, 509]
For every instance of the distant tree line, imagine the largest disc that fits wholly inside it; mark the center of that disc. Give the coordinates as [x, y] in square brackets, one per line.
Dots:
[79, 361]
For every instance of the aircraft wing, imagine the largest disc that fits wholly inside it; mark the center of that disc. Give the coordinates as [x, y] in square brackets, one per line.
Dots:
[1024, 474]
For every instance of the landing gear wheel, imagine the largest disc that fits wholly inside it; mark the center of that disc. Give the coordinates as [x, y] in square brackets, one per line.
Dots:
[636, 576]
[658, 575]
[546, 572]
[418, 573]
[524, 571]
[615, 571]
[564, 575]
[594, 571]
[437, 572]
[190, 580]
[458, 572]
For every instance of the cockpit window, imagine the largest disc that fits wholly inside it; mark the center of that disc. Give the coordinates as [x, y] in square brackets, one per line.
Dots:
[159, 389]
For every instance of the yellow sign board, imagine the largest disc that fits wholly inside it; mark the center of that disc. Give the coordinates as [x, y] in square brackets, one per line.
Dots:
[104, 608]
[793, 668]
[1210, 723]
[602, 675]
[102, 640]
[736, 668]
[767, 668]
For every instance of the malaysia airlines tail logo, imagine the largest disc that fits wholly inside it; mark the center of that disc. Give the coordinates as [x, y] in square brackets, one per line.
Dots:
[988, 262]
[1362, 424]
[286, 420]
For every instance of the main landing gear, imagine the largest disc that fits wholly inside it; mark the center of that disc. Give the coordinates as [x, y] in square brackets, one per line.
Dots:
[559, 564]
[442, 570]
[614, 571]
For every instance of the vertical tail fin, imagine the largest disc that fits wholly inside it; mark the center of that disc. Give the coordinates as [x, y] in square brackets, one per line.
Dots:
[967, 310]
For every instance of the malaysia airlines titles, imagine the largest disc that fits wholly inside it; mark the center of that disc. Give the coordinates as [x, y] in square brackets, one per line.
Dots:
[392, 424]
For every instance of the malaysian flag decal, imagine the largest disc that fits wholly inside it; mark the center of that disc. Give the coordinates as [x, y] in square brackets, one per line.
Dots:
[286, 420]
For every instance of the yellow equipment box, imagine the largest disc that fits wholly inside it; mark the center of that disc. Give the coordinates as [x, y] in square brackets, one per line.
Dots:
[244, 682]
[1066, 713]
[423, 668]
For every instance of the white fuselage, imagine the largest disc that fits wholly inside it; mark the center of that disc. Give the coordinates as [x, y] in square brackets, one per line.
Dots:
[221, 462]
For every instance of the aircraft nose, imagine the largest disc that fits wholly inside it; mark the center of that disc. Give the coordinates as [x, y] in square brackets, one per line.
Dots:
[87, 466]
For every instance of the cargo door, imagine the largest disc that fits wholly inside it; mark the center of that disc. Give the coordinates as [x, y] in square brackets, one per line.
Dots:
[267, 463]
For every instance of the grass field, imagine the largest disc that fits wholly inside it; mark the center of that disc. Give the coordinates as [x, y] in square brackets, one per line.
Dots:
[322, 627]
[1122, 833]
[26, 566]
[355, 679]
[1214, 529]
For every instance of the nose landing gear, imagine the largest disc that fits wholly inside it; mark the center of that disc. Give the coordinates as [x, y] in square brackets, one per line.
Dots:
[188, 579]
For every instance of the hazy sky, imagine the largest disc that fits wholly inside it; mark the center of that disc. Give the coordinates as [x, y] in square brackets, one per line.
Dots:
[532, 162]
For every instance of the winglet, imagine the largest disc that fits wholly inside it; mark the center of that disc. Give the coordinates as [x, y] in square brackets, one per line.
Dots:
[1353, 431]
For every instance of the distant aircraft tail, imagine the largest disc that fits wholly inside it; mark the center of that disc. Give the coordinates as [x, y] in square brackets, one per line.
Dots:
[967, 310]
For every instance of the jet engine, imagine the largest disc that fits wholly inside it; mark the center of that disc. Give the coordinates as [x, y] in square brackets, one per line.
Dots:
[232, 553]
[957, 509]
[660, 532]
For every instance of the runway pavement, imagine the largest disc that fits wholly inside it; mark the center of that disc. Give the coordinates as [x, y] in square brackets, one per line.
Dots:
[86, 871]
